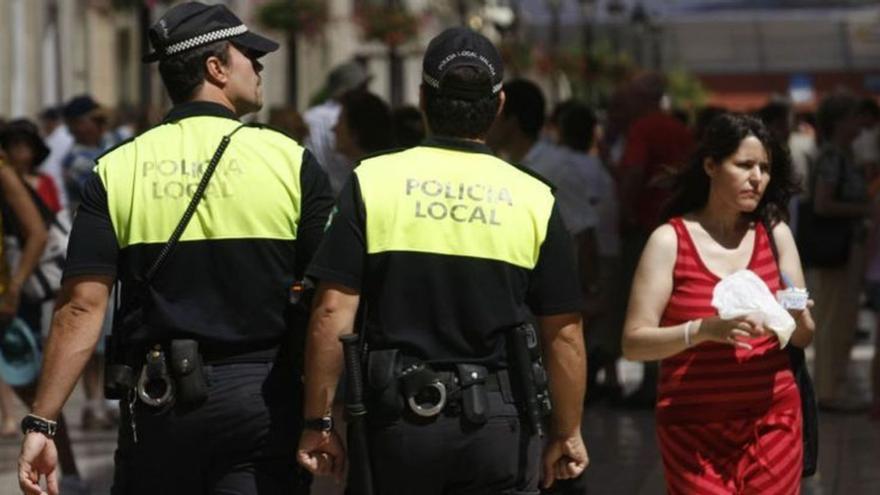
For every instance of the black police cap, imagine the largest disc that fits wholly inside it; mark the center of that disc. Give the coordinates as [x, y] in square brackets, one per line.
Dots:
[192, 25]
[457, 47]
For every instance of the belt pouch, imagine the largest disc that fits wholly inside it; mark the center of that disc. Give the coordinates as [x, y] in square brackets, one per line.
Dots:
[474, 396]
[385, 400]
[186, 366]
[119, 378]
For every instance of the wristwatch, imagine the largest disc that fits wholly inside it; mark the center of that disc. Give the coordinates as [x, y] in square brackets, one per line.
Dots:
[324, 424]
[35, 423]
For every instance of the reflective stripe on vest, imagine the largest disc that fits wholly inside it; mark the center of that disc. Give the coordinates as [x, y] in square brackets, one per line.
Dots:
[254, 193]
[441, 201]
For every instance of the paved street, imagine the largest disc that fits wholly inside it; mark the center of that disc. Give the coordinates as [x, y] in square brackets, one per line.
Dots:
[623, 451]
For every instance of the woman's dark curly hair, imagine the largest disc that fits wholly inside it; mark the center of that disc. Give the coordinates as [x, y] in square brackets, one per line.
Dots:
[720, 140]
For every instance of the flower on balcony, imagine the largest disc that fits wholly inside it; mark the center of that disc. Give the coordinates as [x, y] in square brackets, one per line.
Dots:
[305, 17]
[392, 25]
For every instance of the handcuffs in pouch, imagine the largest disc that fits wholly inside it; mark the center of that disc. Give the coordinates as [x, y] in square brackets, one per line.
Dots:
[155, 386]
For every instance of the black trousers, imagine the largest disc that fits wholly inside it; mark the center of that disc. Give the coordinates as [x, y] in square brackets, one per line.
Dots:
[448, 456]
[241, 441]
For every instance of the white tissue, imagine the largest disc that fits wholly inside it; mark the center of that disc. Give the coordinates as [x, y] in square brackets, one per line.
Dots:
[744, 293]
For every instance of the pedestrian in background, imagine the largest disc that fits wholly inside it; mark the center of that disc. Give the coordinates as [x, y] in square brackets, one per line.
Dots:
[833, 239]
[656, 147]
[364, 126]
[728, 408]
[322, 118]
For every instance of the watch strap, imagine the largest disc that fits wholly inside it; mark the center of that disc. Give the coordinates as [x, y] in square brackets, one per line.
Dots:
[324, 423]
[38, 424]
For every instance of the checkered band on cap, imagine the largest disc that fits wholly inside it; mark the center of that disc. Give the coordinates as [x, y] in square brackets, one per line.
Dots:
[204, 39]
[434, 83]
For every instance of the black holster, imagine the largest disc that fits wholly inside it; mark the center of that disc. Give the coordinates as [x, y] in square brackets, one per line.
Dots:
[120, 377]
[383, 390]
[474, 394]
[188, 372]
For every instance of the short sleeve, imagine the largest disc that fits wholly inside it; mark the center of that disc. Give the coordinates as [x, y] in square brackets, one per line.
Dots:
[93, 248]
[317, 201]
[341, 258]
[553, 284]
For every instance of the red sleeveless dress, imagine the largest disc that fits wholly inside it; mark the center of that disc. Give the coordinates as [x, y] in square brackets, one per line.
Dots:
[728, 419]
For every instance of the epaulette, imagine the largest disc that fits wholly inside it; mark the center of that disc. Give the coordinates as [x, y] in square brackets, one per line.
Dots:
[377, 154]
[536, 175]
[113, 148]
[260, 125]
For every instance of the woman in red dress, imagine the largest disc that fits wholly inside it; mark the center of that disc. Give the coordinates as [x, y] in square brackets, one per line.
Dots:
[728, 409]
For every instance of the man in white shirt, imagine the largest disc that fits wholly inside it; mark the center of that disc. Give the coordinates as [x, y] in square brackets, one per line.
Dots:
[321, 119]
[577, 128]
[59, 140]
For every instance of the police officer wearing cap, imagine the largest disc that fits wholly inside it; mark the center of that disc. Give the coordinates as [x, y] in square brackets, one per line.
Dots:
[446, 249]
[207, 333]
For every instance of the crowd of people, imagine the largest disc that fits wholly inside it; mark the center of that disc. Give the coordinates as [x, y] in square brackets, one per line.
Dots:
[658, 209]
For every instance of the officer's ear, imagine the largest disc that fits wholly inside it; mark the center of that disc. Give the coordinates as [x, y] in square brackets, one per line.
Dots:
[216, 70]
[501, 99]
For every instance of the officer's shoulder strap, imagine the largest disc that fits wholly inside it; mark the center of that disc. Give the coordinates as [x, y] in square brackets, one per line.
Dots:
[536, 175]
[114, 148]
[129, 140]
[379, 154]
[269, 127]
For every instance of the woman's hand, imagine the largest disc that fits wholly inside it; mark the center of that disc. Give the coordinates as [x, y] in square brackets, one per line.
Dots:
[9, 302]
[735, 331]
[800, 314]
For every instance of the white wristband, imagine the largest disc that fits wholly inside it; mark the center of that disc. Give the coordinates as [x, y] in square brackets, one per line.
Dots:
[687, 333]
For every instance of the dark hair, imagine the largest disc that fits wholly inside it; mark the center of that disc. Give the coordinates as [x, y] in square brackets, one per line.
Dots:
[525, 101]
[721, 140]
[51, 113]
[832, 109]
[577, 124]
[407, 126]
[704, 117]
[773, 112]
[556, 114]
[454, 117]
[185, 73]
[368, 119]
[869, 108]
[26, 132]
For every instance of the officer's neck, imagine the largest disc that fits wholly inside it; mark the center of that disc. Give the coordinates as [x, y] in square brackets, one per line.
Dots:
[213, 94]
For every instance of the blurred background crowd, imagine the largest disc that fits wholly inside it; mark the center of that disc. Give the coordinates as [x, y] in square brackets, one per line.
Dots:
[605, 99]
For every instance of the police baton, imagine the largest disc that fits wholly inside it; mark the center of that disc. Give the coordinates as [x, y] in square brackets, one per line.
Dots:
[522, 346]
[360, 474]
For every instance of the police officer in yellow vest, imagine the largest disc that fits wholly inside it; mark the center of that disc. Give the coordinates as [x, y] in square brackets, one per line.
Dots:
[447, 248]
[211, 405]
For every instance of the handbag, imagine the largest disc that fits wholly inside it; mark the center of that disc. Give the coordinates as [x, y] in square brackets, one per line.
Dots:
[45, 281]
[809, 411]
[823, 242]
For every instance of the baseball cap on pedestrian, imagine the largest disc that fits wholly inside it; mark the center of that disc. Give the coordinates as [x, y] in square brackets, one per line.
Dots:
[79, 106]
[346, 77]
[462, 47]
[192, 25]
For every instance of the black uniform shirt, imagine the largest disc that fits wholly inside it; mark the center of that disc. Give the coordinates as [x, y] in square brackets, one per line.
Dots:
[449, 295]
[253, 233]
